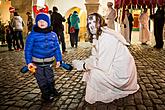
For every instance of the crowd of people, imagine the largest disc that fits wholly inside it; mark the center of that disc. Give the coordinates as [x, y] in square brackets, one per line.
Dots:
[13, 32]
[126, 23]
[14, 29]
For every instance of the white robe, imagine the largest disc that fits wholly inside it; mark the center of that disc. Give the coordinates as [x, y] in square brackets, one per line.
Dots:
[125, 31]
[110, 18]
[144, 34]
[112, 72]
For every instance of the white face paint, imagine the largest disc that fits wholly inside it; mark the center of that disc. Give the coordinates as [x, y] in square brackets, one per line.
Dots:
[92, 25]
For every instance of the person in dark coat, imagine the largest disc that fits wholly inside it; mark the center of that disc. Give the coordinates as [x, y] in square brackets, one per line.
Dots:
[130, 19]
[69, 24]
[2, 33]
[9, 36]
[29, 21]
[158, 19]
[58, 27]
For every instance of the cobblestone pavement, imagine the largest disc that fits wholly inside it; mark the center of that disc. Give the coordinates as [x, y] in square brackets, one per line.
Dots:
[20, 91]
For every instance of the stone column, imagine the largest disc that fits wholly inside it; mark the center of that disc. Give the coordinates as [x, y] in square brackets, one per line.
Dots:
[164, 32]
[22, 6]
[164, 25]
[92, 6]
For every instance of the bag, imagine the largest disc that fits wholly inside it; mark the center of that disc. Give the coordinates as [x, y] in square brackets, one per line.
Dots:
[72, 30]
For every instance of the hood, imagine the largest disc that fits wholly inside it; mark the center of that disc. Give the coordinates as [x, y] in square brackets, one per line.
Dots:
[43, 16]
[117, 35]
[74, 14]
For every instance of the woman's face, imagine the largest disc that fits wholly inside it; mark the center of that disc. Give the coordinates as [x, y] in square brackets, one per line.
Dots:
[42, 24]
[92, 24]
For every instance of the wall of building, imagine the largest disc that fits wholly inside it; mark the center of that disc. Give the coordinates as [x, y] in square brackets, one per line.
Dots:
[64, 5]
[4, 11]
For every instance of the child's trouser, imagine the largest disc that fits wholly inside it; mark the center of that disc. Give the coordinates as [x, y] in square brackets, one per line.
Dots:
[45, 80]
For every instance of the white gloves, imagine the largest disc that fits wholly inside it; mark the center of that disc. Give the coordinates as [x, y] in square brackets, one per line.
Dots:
[90, 63]
[87, 64]
[78, 64]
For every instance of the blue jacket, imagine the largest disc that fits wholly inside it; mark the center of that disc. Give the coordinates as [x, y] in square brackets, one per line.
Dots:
[42, 45]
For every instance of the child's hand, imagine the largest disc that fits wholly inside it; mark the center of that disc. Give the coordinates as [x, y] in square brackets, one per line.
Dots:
[32, 67]
[58, 64]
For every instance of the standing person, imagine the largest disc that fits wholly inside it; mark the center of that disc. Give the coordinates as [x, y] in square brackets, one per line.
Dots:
[50, 13]
[158, 18]
[9, 36]
[58, 27]
[110, 72]
[71, 37]
[2, 33]
[75, 20]
[41, 49]
[130, 19]
[17, 24]
[29, 21]
[144, 35]
[125, 27]
[110, 16]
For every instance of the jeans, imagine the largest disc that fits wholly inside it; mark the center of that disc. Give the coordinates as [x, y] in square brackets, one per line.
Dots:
[18, 36]
[74, 38]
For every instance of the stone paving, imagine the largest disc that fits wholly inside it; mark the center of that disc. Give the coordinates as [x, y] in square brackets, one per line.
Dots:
[20, 91]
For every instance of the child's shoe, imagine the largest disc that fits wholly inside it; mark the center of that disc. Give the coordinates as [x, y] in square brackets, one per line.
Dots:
[55, 93]
[47, 98]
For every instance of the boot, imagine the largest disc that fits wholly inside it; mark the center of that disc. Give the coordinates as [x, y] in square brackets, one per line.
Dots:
[46, 95]
[53, 91]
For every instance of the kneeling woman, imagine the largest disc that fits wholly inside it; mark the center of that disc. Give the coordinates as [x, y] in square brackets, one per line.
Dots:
[110, 72]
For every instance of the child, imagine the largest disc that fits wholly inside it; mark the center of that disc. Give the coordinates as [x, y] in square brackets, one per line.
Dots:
[41, 49]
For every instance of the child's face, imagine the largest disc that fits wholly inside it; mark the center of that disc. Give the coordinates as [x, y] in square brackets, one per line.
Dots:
[42, 24]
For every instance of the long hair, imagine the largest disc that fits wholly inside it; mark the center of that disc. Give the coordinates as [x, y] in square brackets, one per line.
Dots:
[100, 22]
